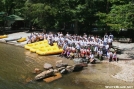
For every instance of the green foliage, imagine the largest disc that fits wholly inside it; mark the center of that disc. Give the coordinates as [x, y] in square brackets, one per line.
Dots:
[116, 14]
[121, 16]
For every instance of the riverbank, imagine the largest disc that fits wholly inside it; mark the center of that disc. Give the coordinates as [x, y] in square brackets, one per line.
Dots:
[127, 66]
[16, 35]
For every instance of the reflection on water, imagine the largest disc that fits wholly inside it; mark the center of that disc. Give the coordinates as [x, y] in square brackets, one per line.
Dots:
[17, 64]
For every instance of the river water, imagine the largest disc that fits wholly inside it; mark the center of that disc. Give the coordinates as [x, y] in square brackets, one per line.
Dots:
[17, 65]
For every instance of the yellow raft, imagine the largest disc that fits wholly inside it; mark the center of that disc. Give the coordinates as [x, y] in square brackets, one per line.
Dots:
[3, 36]
[43, 48]
[21, 40]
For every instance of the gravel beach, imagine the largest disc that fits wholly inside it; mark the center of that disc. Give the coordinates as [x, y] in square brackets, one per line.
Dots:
[127, 65]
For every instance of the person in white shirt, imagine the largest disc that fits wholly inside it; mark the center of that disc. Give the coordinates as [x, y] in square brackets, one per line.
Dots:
[99, 54]
[111, 35]
[67, 34]
[101, 45]
[95, 47]
[105, 41]
[78, 49]
[109, 55]
[114, 57]
[105, 36]
[107, 47]
[110, 40]
[91, 58]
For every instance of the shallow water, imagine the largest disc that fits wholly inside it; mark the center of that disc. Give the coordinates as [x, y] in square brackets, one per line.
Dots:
[17, 65]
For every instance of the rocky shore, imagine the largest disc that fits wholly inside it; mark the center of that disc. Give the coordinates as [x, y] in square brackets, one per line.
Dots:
[16, 35]
[127, 72]
[126, 62]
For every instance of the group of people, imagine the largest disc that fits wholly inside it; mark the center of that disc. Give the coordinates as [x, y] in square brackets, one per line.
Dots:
[34, 37]
[81, 46]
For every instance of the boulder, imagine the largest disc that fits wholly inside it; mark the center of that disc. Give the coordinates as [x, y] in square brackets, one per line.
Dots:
[78, 67]
[63, 71]
[77, 60]
[59, 62]
[56, 71]
[44, 74]
[84, 64]
[93, 61]
[69, 68]
[59, 69]
[58, 65]
[48, 66]
[37, 71]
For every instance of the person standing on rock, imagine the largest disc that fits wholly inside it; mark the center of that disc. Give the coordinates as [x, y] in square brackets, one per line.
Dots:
[110, 40]
[111, 35]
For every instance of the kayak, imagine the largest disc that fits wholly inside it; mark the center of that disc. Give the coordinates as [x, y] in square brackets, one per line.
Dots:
[3, 36]
[21, 40]
[12, 39]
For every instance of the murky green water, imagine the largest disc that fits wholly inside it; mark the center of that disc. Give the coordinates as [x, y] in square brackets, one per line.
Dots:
[17, 65]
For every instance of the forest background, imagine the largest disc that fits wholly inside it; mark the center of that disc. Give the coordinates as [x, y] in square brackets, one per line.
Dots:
[75, 16]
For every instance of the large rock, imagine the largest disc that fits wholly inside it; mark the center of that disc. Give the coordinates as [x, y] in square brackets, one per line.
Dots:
[58, 65]
[59, 69]
[63, 71]
[78, 67]
[48, 66]
[37, 71]
[59, 62]
[44, 74]
[56, 71]
[77, 60]
[69, 68]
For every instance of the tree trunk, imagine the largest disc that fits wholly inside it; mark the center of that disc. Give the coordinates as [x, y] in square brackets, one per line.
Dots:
[76, 27]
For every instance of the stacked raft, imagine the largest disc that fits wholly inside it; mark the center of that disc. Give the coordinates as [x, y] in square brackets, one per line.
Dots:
[3, 36]
[43, 48]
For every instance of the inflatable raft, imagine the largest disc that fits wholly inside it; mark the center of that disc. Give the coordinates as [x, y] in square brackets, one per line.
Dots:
[43, 48]
[3, 36]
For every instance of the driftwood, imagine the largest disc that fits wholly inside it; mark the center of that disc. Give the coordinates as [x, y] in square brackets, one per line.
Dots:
[52, 78]
[44, 74]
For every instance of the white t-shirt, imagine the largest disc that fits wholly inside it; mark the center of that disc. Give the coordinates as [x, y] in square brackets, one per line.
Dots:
[109, 54]
[109, 40]
[101, 45]
[91, 56]
[100, 52]
[107, 46]
[105, 39]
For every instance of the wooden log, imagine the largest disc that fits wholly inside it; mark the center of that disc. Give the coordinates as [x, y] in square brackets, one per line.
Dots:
[44, 74]
[53, 78]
